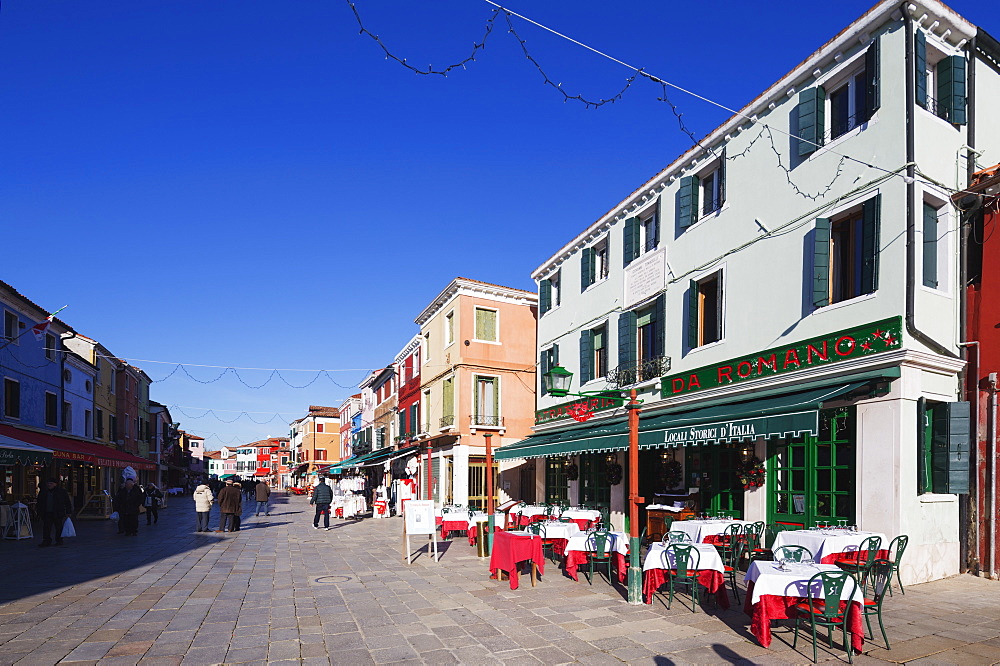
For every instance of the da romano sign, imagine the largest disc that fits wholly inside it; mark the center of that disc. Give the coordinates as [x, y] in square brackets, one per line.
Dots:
[868, 340]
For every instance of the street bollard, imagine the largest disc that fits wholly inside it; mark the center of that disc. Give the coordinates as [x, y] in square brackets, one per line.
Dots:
[482, 549]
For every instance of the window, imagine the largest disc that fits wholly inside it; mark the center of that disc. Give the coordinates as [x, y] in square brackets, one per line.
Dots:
[932, 241]
[448, 402]
[284, 460]
[319, 427]
[593, 264]
[641, 339]
[845, 257]
[67, 416]
[641, 235]
[549, 359]
[320, 454]
[601, 259]
[943, 447]
[649, 229]
[848, 105]
[449, 328]
[12, 398]
[647, 334]
[487, 401]
[114, 380]
[427, 346]
[99, 423]
[50, 347]
[593, 353]
[944, 75]
[51, 409]
[10, 326]
[705, 315]
[550, 292]
[486, 325]
[711, 191]
[415, 418]
[113, 427]
[97, 375]
[703, 193]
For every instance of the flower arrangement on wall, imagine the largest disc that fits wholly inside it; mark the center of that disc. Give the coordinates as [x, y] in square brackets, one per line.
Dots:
[572, 472]
[752, 473]
[614, 474]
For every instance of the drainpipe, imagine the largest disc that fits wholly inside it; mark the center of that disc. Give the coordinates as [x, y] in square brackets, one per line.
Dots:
[911, 236]
[993, 475]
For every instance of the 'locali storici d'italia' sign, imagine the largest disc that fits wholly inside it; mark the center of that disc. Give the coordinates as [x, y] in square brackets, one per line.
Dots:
[881, 336]
[567, 410]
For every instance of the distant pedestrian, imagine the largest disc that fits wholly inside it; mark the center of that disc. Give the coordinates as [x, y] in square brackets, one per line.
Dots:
[322, 497]
[54, 505]
[129, 503]
[263, 495]
[154, 497]
[230, 506]
[203, 501]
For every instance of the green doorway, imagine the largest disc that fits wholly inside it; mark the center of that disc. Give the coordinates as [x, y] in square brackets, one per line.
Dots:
[714, 469]
[595, 489]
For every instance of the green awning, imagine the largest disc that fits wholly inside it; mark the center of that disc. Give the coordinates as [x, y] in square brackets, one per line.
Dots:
[373, 458]
[338, 467]
[769, 413]
[15, 451]
[226, 476]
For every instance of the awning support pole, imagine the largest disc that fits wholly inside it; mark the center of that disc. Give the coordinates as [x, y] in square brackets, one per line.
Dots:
[635, 568]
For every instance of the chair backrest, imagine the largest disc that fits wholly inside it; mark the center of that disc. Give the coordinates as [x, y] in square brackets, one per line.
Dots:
[678, 537]
[667, 522]
[565, 520]
[878, 576]
[686, 558]
[599, 542]
[731, 533]
[792, 553]
[868, 551]
[535, 528]
[837, 586]
[896, 548]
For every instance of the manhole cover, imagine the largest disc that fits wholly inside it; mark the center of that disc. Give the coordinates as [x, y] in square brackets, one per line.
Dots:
[331, 579]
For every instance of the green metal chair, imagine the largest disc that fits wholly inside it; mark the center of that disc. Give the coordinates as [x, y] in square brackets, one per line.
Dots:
[752, 544]
[881, 577]
[792, 553]
[896, 548]
[676, 537]
[598, 553]
[729, 541]
[837, 586]
[860, 562]
[683, 571]
[548, 545]
[730, 553]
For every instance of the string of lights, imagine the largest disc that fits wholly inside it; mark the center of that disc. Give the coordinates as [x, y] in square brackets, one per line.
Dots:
[213, 412]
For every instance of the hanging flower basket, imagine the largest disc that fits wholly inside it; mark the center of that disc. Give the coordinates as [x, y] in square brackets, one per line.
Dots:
[752, 474]
[614, 474]
[672, 474]
[572, 472]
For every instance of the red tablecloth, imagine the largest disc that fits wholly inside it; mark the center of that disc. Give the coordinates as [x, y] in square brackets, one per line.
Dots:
[577, 558]
[474, 532]
[711, 580]
[583, 523]
[509, 549]
[833, 557]
[773, 607]
[448, 526]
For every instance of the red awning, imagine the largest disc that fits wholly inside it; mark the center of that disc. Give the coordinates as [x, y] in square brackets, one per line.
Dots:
[64, 448]
[263, 471]
[263, 457]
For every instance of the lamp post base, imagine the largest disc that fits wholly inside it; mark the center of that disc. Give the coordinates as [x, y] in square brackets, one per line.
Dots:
[634, 573]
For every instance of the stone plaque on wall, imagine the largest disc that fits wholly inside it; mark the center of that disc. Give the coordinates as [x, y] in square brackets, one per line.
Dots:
[645, 277]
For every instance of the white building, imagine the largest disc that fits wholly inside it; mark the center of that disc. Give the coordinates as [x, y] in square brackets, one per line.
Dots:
[78, 396]
[788, 301]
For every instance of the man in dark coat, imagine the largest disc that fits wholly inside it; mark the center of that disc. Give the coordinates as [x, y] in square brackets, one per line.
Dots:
[230, 501]
[128, 501]
[322, 497]
[54, 505]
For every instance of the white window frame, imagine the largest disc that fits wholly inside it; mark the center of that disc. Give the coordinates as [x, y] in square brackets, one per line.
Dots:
[10, 315]
[555, 282]
[426, 344]
[945, 237]
[701, 277]
[602, 260]
[50, 350]
[607, 350]
[475, 333]
[475, 395]
[449, 328]
[650, 213]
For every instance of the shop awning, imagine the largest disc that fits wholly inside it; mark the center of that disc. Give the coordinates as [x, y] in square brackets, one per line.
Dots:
[767, 414]
[376, 457]
[64, 448]
[15, 451]
[301, 469]
[338, 467]
[226, 476]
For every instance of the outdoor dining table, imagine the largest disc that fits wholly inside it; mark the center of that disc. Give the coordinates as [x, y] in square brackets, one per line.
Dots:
[473, 528]
[584, 518]
[828, 546]
[579, 545]
[558, 533]
[509, 548]
[711, 571]
[704, 531]
[772, 594]
[454, 521]
[525, 515]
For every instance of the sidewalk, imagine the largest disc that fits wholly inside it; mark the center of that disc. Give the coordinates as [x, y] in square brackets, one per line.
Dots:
[280, 592]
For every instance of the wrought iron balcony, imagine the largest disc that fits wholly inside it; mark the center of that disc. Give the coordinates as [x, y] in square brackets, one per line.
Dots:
[448, 421]
[626, 375]
[483, 420]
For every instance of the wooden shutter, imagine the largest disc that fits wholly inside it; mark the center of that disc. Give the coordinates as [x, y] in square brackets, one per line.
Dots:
[448, 398]
[952, 439]
[626, 339]
[951, 89]
[415, 418]
[930, 245]
[660, 324]
[821, 263]
[687, 201]
[586, 268]
[871, 212]
[873, 78]
[545, 296]
[694, 316]
[811, 111]
[586, 356]
[630, 240]
[920, 58]
[722, 179]
[545, 367]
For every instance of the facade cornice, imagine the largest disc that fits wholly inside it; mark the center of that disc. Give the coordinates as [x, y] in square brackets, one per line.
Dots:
[466, 287]
[410, 347]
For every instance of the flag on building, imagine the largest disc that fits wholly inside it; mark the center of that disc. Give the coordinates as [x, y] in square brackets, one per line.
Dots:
[41, 327]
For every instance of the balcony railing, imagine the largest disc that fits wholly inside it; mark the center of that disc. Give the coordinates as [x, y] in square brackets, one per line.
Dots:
[483, 420]
[448, 421]
[626, 375]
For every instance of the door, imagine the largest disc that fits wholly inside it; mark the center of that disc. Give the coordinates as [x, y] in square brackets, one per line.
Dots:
[812, 479]
[477, 482]
[595, 489]
[526, 482]
[715, 469]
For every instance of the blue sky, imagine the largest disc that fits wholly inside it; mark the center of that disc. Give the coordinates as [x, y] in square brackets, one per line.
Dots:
[248, 183]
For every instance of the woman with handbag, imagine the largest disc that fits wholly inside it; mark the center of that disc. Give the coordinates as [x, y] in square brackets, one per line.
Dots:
[203, 501]
[153, 498]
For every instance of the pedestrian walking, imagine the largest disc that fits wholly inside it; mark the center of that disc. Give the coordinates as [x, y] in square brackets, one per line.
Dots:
[129, 504]
[230, 506]
[154, 497]
[203, 501]
[54, 504]
[322, 497]
[263, 497]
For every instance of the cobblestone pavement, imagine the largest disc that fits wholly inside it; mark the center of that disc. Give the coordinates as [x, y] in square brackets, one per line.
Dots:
[280, 592]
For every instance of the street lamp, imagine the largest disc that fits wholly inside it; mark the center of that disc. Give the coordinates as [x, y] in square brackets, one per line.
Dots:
[557, 382]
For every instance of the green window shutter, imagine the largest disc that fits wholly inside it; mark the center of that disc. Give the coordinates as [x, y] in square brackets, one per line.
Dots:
[415, 417]
[630, 240]
[586, 268]
[545, 296]
[486, 325]
[821, 263]
[555, 355]
[930, 245]
[811, 111]
[687, 201]
[448, 398]
[920, 49]
[402, 422]
[871, 213]
[626, 338]
[546, 365]
[693, 319]
[586, 357]
[660, 317]
[924, 447]
[952, 439]
[873, 78]
[951, 89]
[659, 222]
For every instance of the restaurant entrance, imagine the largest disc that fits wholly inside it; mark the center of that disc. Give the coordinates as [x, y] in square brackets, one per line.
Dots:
[812, 479]
[714, 468]
[595, 488]
[477, 482]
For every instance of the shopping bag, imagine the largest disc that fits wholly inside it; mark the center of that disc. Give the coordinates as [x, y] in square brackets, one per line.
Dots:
[142, 509]
[113, 516]
[68, 530]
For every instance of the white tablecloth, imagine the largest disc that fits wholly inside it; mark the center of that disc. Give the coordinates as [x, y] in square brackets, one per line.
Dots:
[530, 511]
[767, 579]
[699, 529]
[498, 519]
[617, 542]
[556, 530]
[708, 558]
[581, 514]
[827, 542]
